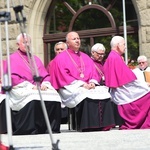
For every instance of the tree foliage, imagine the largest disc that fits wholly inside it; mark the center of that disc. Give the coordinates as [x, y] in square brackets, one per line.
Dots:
[93, 19]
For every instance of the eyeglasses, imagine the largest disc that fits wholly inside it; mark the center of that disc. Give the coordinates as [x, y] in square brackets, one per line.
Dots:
[141, 62]
[100, 54]
[57, 49]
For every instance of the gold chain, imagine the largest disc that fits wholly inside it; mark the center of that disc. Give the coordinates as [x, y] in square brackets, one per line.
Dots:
[99, 71]
[81, 70]
[26, 62]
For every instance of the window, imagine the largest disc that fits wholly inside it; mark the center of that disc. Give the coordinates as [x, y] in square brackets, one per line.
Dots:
[97, 22]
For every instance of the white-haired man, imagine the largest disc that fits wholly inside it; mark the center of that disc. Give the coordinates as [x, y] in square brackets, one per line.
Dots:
[27, 114]
[58, 48]
[142, 72]
[131, 96]
[97, 55]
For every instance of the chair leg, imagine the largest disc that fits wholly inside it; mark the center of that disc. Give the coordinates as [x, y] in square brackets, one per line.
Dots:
[69, 119]
[72, 120]
[75, 119]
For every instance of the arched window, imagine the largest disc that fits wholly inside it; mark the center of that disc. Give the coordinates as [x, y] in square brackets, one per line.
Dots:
[95, 21]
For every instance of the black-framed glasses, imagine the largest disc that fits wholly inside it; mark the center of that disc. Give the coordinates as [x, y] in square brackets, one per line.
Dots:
[141, 62]
[57, 49]
[100, 54]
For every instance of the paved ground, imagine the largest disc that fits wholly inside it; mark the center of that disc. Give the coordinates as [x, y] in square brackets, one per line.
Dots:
[70, 140]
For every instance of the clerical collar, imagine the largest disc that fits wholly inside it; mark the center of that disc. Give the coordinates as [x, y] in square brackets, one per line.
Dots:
[76, 52]
[72, 51]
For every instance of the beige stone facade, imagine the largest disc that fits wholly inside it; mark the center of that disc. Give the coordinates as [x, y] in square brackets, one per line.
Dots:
[35, 12]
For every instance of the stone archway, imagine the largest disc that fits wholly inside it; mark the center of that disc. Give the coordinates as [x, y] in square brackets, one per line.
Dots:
[142, 9]
[90, 34]
[37, 14]
[35, 27]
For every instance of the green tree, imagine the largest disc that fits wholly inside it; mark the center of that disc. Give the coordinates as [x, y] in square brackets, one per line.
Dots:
[93, 19]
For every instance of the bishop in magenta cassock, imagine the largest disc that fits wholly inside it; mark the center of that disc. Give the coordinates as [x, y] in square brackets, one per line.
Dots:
[27, 114]
[74, 75]
[131, 95]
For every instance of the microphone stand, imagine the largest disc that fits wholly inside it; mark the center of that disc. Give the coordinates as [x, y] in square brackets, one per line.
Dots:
[21, 20]
[6, 77]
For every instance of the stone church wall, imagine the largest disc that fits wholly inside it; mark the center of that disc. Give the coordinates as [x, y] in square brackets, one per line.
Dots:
[35, 12]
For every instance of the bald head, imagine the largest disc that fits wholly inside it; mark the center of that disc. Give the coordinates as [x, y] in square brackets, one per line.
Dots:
[73, 41]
